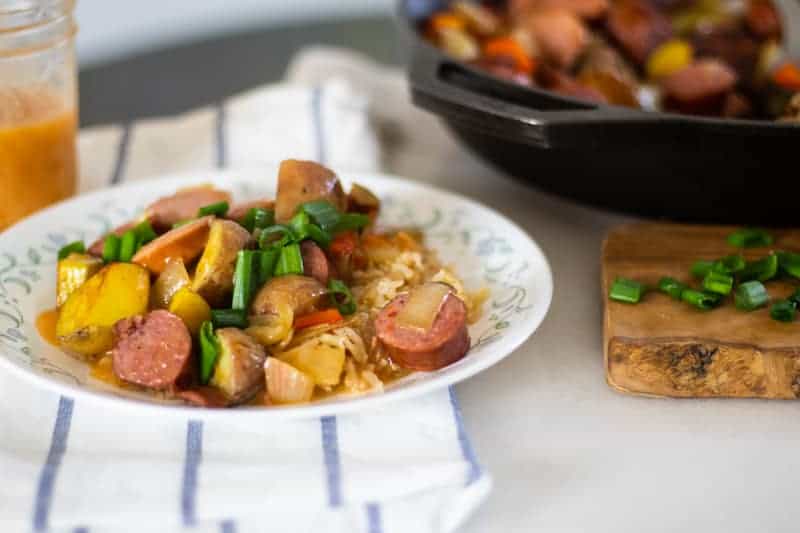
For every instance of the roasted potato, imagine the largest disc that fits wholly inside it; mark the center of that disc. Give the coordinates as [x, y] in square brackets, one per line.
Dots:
[73, 271]
[321, 361]
[191, 308]
[213, 278]
[239, 367]
[300, 293]
[118, 291]
[304, 181]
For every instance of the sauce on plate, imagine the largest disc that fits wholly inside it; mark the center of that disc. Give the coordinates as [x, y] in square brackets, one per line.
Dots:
[46, 326]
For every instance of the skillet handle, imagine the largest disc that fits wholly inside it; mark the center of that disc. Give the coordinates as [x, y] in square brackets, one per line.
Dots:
[520, 114]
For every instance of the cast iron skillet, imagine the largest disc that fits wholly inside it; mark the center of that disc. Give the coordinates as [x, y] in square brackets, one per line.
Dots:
[661, 165]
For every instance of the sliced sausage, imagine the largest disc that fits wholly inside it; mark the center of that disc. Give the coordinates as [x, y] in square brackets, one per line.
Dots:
[183, 205]
[561, 83]
[153, 350]
[239, 211]
[638, 27]
[560, 35]
[186, 243]
[444, 343]
[315, 263]
[763, 19]
[699, 88]
[731, 44]
[96, 248]
[736, 105]
[305, 181]
[204, 397]
[588, 9]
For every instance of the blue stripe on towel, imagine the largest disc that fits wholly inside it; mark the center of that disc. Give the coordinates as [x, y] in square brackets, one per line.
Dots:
[81, 529]
[463, 439]
[227, 526]
[374, 519]
[319, 124]
[221, 144]
[122, 155]
[194, 454]
[47, 478]
[333, 466]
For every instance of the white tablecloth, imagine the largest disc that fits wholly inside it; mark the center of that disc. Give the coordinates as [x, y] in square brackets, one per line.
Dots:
[566, 452]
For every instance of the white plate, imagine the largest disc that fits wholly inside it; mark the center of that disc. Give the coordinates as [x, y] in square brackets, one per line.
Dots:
[486, 249]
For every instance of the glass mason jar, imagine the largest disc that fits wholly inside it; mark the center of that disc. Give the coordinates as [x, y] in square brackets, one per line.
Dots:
[38, 106]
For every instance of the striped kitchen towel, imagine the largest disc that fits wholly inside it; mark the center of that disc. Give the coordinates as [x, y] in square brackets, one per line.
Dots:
[70, 466]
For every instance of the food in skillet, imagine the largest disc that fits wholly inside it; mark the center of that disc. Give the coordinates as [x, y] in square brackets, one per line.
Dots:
[266, 302]
[701, 57]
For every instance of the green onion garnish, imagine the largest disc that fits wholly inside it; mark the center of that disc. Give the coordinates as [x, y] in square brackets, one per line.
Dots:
[751, 295]
[229, 318]
[795, 298]
[764, 269]
[729, 265]
[299, 226]
[351, 221]
[701, 300]
[244, 279]
[318, 235]
[111, 248]
[671, 287]
[258, 218]
[267, 260]
[341, 297]
[783, 311]
[219, 209]
[209, 351]
[626, 290]
[789, 263]
[275, 236]
[76, 247]
[128, 246]
[749, 238]
[290, 260]
[324, 214]
[701, 268]
[145, 232]
[718, 282]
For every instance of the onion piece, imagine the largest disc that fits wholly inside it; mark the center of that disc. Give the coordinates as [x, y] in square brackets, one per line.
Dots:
[423, 305]
[286, 384]
[170, 281]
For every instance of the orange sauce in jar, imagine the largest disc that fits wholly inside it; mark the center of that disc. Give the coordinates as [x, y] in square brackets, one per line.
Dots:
[38, 163]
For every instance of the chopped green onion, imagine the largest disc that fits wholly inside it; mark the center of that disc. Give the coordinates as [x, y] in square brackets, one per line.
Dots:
[718, 282]
[729, 265]
[299, 226]
[219, 209]
[267, 260]
[749, 238]
[267, 238]
[789, 263]
[244, 279]
[145, 232]
[671, 287]
[258, 218]
[229, 318]
[319, 235]
[701, 300]
[763, 270]
[128, 246]
[76, 247]
[290, 260]
[751, 295]
[341, 297]
[626, 290]
[351, 221]
[701, 268]
[323, 213]
[795, 298]
[783, 311]
[111, 247]
[209, 351]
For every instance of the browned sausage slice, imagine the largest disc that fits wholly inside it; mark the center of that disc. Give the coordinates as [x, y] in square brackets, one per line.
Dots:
[444, 343]
[638, 27]
[315, 263]
[183, 205]
[239, 211]
[560, 34]
[588, 9]
[305, 181]
[186, 243]
[153, 350]
[700, 87]
[204, 397]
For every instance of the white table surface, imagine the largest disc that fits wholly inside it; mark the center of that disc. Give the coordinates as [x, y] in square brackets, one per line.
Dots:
[566, 452]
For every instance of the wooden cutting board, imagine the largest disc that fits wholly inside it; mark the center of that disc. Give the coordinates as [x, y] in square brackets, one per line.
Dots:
[664, 347]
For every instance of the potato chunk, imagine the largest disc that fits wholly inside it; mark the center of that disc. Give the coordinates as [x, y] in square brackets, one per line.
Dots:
[74, 271]
[305, 181]
[213, 278]
[238, 372]
[120, 290]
